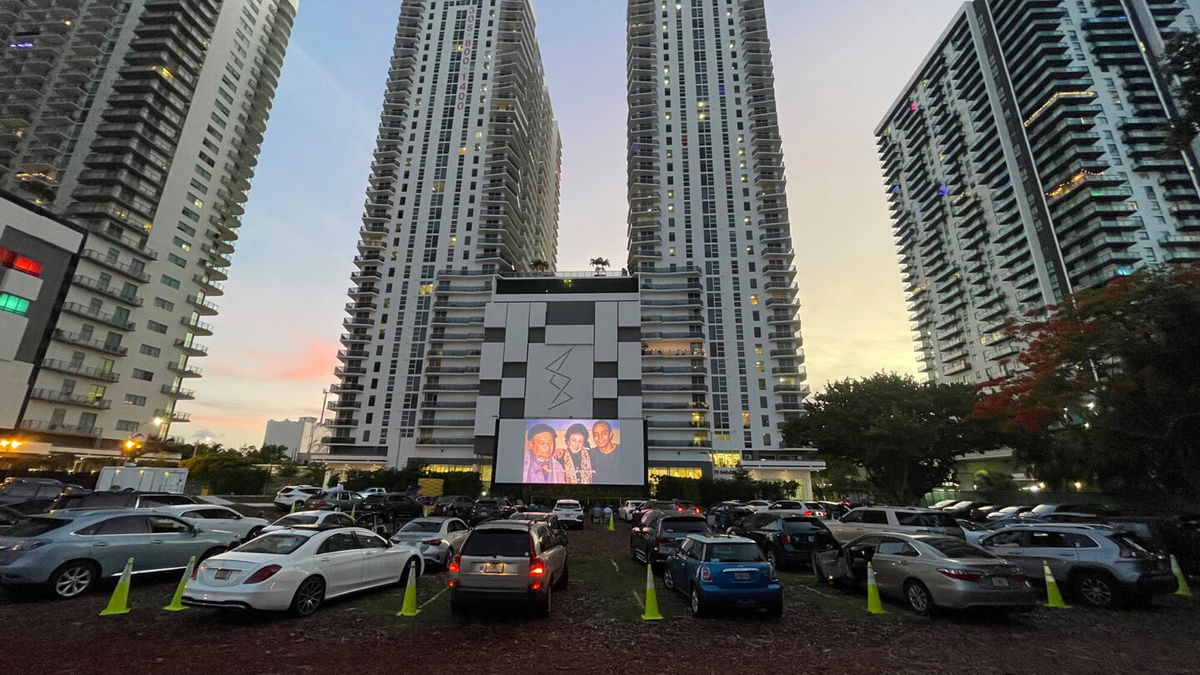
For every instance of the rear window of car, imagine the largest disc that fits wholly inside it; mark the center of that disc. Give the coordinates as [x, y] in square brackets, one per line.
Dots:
[725, 553]
[421, 526]
[486, 502]
[503, 543]
[35, 527]
[801, 524]
[909, 519]
[956, 548]
[684, 525]
[566, 504]
[277, 544]
[296, 520]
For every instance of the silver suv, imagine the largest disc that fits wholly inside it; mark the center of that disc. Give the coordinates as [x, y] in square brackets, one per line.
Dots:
[509, 561]
[1099, 565]
[902, 519]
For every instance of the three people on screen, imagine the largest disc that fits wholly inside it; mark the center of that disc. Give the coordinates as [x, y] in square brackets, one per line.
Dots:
[567, 451]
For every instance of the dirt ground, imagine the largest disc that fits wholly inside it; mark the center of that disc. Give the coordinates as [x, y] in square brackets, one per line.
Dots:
[595, 627]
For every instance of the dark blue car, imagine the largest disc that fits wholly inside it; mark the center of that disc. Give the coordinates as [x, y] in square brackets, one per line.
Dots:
[722, 570]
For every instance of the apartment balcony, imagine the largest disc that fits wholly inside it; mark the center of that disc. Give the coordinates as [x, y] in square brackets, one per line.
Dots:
[177, 393]
[113, 292]
[355, 338]
[457, 320]
[173, 416]
[445, 440]
[345, 388]
[439, 386]
[678, 443]
[675, 405]
[81, 400]
[80, 370]
[203, 307]
[344, 405]
[183, 370]
[452, 370]
[789, 406]
[95, 315]
[435, 422]
[58, 428]
[81, 341]
[362, 291]
[358, 322]
[676, 370]
[369, 274]
[660, 388]
[191, 348]
[207, 285]
[197, 326]
[114, 264]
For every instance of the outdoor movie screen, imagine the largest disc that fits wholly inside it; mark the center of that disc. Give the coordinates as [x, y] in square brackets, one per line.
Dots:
[571, 452]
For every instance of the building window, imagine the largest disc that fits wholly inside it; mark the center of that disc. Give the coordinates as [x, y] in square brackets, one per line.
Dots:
[134, 399]
[139, 374]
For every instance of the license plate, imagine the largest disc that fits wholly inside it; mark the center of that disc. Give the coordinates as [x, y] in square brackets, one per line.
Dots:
[741, 576]
[493, 568]
[223, 574]
[1000, 582]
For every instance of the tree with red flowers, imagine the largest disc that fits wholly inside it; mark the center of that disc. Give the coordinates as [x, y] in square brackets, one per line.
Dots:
[1107, 387]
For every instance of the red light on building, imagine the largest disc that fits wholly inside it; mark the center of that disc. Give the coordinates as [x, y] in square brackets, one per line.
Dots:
[28, 266]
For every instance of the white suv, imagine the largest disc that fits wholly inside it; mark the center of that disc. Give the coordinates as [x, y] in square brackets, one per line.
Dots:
[569, 512]
[902, 519]
[290, 494]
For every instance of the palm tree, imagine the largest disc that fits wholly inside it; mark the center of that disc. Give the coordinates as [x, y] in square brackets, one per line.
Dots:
[539, 265]
[600, 264]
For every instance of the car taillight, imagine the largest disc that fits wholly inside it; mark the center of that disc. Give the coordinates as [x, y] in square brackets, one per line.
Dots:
[432, 542]
[705, 573]
[697, 510]
[784, 539]
[774, 575]
[195, 571]
[537, 567]
[961, 575]
[679, 509]
[456, 563]
[262, 574]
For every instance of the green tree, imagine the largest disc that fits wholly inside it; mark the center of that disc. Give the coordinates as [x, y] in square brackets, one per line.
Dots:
[1182, 63]
[905, 435]
[268, 454]
[227, 472]
[1107, 387]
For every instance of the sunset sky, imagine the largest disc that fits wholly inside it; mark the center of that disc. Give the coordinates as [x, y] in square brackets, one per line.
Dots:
[838, 65]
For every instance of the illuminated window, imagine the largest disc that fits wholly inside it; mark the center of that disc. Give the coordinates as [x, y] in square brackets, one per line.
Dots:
[745, 419]
[164, 71]
[13, 303]
[668, 115]
[753, 299]
[453, 240]
[758, 350]
[760, 366]
[671, 250]
[426, 289]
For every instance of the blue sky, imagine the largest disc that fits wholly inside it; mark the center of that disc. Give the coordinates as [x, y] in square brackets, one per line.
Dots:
[838, 65]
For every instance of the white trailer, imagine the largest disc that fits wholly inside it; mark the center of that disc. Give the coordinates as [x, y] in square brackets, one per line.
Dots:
[142, 478]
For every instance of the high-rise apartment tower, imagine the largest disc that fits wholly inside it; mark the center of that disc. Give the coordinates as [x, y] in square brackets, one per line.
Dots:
[140, 121]
[1025, 160]
[464, 185]
[709, 233]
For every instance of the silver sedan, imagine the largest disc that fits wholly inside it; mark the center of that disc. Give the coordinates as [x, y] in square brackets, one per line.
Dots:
[928, 571]
[438, 537]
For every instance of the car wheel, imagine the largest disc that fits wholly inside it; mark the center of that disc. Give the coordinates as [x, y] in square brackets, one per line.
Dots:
[216, 550]
[74, 578]
[697, 606]
[408, 566]
[543, 608]
[818, 571]
[1096, 589]
[919, 599]
[308, 597]
[668, 579]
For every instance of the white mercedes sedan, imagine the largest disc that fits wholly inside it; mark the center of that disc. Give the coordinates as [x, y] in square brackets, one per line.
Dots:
[298, 569]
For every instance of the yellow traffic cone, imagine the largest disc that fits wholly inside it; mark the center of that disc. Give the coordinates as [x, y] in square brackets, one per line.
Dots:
[651, 613]
[293, 507]
[874, 603]
[426, 510]
[353, 511]
[410, 593]
[119, 602]
[1183, 584]
[177, 600]
[611, 519]
[1053, 597]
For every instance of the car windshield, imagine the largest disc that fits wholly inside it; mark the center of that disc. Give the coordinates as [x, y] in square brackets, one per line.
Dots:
[35, 527]
[296, 520]
[562, 504]
[503, 543]
[421, 526]
[727, 553]
[684, 525]
[277, 544]
[922, 519]
[956, 548]
[19, 490]
[1044, 508]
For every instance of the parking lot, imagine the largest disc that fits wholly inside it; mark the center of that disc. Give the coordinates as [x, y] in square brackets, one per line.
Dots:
[595, 627]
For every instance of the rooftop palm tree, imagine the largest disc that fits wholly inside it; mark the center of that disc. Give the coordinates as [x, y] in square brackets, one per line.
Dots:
[600, 264]
[539, 265]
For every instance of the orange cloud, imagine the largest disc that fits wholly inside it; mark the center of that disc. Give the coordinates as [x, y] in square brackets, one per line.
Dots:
[314, 361]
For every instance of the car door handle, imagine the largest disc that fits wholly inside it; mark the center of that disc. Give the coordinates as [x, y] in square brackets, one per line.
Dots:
[156, 541]
[100, 543]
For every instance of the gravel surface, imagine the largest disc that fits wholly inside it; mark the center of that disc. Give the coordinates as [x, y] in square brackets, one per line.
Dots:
[593, 629]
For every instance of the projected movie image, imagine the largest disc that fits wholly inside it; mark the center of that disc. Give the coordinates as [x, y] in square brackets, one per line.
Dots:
[571, 452]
